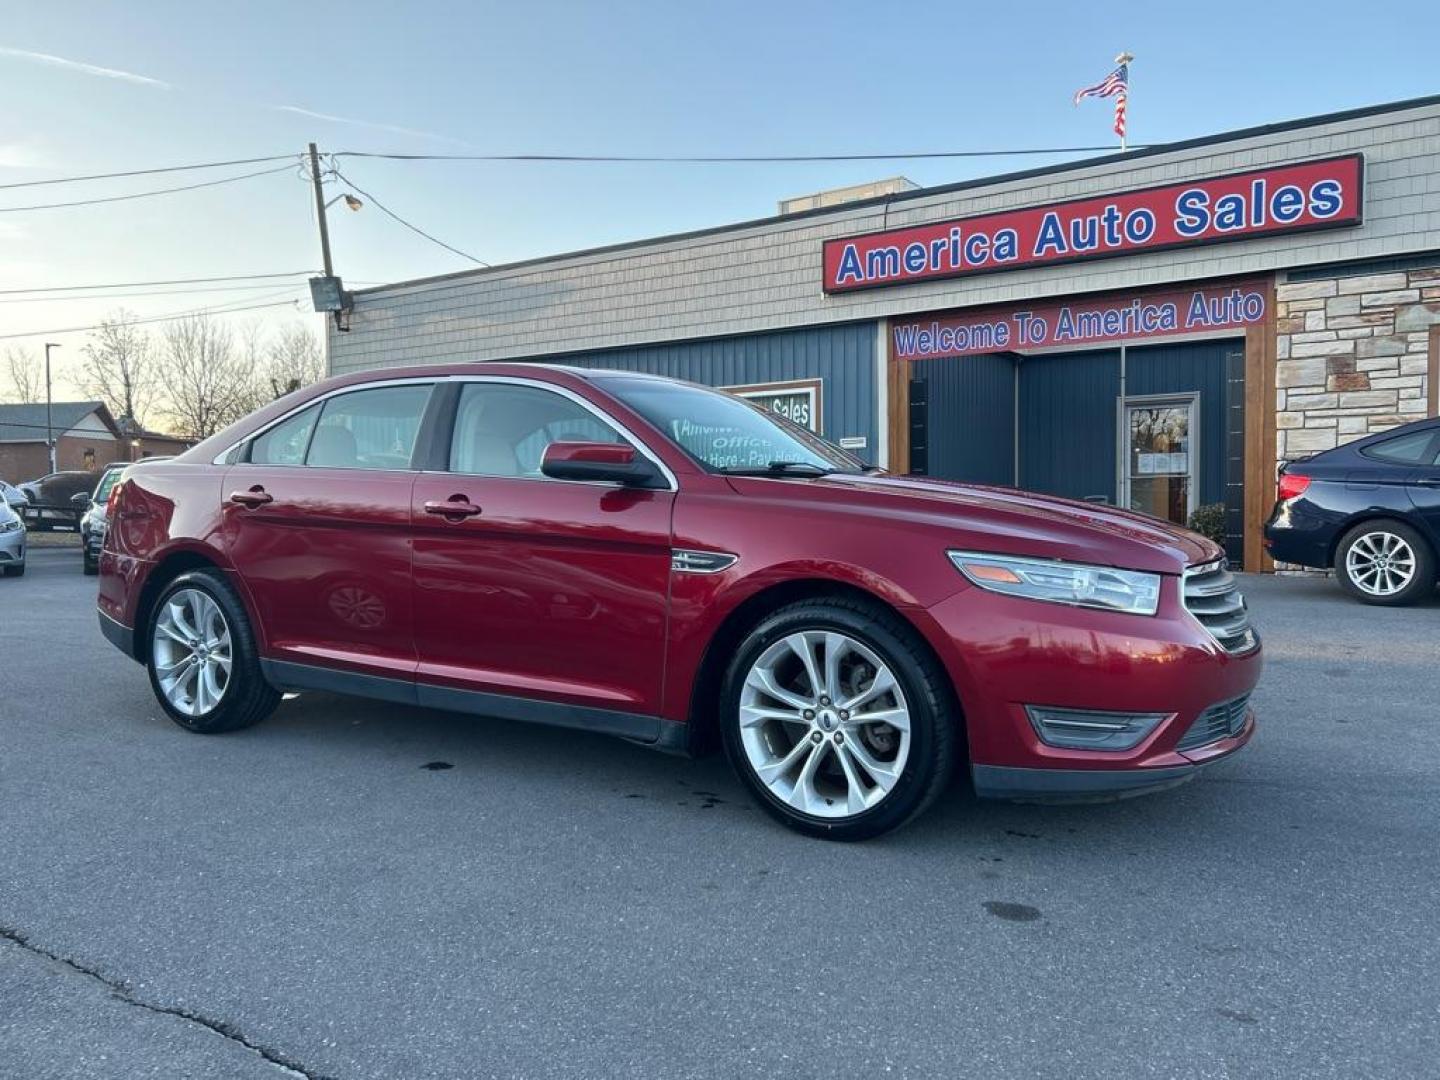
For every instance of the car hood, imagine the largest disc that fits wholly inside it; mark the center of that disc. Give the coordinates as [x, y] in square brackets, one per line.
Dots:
[1013, 522]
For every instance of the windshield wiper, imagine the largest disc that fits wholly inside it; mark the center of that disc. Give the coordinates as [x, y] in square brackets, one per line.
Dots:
[779, 468]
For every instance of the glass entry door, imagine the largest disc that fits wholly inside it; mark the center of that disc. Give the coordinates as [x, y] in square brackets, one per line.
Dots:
[1160, 458]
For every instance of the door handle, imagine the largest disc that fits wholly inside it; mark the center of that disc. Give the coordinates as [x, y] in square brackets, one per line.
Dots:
[256, 496]
[457, 506]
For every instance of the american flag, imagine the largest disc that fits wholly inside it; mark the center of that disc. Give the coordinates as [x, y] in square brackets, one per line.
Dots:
[1116, 85]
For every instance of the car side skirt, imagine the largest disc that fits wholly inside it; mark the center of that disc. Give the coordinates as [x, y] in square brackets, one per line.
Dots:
[118, 634]
[658, 733]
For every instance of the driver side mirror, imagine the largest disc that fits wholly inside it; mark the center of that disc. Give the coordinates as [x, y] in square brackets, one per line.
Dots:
[80, 500]
[613, 463]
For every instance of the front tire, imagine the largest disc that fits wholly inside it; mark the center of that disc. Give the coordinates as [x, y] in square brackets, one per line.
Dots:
[838, 719]
[1385, 562]
[203, 663]
[17, 570]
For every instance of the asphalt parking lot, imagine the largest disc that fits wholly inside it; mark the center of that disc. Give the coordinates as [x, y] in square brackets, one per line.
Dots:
[309, 897]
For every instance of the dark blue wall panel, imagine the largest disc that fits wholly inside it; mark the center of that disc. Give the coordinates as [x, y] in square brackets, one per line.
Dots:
[842, 357]
[1067, 423]
[970, 424]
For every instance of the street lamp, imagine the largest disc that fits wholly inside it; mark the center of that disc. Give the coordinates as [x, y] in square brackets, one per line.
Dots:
[49, 431]
[350, 201]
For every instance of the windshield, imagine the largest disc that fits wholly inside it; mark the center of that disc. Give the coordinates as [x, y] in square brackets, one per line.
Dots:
[723, 432]
[102, 489]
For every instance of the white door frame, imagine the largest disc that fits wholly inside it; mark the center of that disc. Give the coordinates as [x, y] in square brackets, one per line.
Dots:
[1191, 401]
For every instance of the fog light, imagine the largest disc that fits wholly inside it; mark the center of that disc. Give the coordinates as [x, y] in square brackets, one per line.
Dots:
[1082, 729]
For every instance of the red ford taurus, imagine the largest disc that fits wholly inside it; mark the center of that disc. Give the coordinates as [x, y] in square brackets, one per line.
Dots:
[652, 559]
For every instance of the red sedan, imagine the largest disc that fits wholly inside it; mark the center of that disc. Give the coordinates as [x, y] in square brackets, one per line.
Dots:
[652, 559]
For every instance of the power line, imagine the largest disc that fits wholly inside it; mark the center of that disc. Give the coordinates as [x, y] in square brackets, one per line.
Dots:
[168, 281]
[145, 172]
[144, 194]
[129, 295]
[722, 159]
[413, 228]
[150, 319]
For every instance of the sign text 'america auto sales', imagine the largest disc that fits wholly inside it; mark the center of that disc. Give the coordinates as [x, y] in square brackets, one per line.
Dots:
[1261, 202]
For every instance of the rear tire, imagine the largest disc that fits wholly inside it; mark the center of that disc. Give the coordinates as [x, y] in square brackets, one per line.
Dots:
[1385, 562]
[796, 729]
[203, 663]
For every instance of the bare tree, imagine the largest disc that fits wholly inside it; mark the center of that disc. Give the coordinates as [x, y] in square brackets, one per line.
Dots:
[207, 381]
[27, 375]
[293, 359]
[119, 368]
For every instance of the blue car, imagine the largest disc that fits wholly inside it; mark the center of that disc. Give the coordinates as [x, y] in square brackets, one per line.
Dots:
[1370, 510]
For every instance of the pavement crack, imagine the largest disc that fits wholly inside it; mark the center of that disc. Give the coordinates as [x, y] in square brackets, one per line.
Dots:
[122, 992]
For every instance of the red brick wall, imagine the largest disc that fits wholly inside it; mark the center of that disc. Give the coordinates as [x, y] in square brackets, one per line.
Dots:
[26, 461]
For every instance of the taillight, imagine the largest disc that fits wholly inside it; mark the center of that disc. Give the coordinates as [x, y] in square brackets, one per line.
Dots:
[1292, 484]
[112, 501]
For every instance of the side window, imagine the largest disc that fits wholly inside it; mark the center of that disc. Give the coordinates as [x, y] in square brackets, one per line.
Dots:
[1404, 450]
[502, 429]
[369, 429]
[285, 443]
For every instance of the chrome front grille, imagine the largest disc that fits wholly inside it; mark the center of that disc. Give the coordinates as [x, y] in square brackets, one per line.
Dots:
[1210, 595]
[1223, 721]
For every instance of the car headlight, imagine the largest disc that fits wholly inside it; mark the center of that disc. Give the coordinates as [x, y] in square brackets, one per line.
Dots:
[12, 525]
[1100, 587]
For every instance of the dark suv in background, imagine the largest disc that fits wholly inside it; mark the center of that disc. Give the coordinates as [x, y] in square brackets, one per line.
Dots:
[1369, 509]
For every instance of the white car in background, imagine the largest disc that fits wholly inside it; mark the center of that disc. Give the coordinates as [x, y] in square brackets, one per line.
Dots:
[12, 540]
[17, 499]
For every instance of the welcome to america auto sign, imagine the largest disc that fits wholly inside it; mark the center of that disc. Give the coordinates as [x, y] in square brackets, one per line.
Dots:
[1261, 202]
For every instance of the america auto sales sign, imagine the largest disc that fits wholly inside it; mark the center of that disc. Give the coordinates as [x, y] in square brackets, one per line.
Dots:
[1283, 199]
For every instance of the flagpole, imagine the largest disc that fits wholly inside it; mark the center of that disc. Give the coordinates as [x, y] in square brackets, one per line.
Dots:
[1124, 59]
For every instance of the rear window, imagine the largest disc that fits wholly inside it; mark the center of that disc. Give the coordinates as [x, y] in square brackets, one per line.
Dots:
[1411, 449]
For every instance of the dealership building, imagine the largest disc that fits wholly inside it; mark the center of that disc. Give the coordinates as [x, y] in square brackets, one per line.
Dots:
[1155, 329]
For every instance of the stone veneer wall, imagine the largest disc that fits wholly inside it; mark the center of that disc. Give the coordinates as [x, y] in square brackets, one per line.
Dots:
[1352, 356]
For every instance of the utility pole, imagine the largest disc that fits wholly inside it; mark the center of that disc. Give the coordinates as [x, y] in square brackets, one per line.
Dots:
[320, 211]
[49, 429]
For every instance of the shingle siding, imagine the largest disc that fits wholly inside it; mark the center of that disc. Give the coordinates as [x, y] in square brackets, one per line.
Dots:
[766, 276]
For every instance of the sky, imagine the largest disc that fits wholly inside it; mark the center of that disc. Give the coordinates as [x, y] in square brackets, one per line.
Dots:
[102, 87]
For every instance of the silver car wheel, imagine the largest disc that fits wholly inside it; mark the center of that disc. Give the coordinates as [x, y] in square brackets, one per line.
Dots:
[191, 652]
[1380, 563]
[824, 724]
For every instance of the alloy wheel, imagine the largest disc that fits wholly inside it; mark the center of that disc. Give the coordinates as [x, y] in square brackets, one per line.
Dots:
[192, 653]
[1380, 563]
[824, 724]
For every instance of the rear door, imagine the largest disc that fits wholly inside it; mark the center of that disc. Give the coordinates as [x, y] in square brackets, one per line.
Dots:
[317, 524]
[551, 590]
[1424, 489]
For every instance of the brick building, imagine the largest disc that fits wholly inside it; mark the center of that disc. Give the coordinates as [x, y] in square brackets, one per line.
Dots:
[86, 437]
[1156, 329]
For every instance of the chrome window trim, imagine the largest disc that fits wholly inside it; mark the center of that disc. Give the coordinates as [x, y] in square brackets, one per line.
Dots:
[436, 380]
[219, 459]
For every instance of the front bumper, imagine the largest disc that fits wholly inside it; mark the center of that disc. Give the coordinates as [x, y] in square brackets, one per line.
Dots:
[1004, 653]
[1021, 784]
[12, 548]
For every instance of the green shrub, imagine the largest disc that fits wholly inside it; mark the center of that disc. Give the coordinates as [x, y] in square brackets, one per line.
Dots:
[1209, 521]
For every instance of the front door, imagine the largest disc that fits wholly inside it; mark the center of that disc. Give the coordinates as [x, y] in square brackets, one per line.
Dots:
[317, 523]
[1160, 457]
[551, 590]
